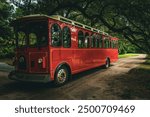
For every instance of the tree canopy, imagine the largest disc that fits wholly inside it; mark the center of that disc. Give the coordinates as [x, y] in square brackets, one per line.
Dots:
[4, 19]
[126, 19]
[130, 18]
[5, 29]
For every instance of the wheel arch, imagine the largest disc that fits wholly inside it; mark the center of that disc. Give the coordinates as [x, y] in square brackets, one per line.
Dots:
[63, 64]
[107, 63]
[108, 58]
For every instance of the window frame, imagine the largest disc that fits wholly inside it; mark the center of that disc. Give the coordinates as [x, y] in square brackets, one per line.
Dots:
[97, 39]
[60, 35]
[63, 37]
[101, 41]
[87, 36]
[93, 40]
[82, 41]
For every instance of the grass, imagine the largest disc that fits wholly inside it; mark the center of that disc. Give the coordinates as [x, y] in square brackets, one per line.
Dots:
[127, 55]
[145, 67]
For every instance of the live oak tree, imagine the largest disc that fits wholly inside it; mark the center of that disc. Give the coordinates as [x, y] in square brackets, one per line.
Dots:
[129, 18]
[5, 29]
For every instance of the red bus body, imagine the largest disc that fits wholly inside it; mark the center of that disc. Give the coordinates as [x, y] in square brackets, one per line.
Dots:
[74, 58]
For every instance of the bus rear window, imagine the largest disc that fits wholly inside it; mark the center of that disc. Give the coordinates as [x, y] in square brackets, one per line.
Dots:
[32, 33]
[21, 38]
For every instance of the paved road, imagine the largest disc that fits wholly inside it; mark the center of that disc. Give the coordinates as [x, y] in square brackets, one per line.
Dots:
[92, 84]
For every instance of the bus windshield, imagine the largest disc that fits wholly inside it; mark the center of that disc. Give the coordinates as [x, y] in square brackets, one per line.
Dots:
[31, 33]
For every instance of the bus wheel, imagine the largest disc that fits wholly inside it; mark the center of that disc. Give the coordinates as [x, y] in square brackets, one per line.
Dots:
[61, 76]
[107, 64]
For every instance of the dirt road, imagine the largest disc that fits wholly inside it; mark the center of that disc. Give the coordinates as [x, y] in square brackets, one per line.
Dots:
[97, 83]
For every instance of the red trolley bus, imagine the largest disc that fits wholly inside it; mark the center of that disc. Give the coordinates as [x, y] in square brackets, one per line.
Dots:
[54, 48]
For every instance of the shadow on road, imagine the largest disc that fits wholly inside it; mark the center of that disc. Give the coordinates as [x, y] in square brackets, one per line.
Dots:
[89, 73]
[29, 87]
[133, 85]
[124, 80]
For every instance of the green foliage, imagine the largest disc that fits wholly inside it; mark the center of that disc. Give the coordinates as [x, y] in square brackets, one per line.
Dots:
[126, 47]
[129, 18]
[7, 52]
[5, 30]
[18, 13]
[122, 47]
[111, 15]
[4, 19]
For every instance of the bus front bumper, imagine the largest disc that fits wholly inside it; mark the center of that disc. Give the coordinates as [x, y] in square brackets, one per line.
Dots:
[43, 78]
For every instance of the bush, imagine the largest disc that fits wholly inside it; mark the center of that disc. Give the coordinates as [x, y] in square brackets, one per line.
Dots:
[7, 52]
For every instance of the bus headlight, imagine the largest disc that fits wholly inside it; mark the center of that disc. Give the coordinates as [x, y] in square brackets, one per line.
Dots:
[40, 60]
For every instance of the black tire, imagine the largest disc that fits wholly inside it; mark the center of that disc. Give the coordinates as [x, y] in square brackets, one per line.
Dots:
[61, 76]
[107, 64]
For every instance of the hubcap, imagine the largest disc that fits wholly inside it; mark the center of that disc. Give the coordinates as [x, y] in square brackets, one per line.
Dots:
[61, 76]
[107, 64]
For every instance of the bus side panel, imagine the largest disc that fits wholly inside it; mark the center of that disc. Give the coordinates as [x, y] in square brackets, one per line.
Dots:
[114, 55]
[54, 59]
[88, 58]
[81, 59]
[110, 53]
[66, 56]
[85, 59]
[60, 56]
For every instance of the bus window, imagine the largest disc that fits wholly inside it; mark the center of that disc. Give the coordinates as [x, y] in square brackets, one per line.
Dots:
[115, 44]
[100, 41]
[106, 43]
[109, 43]
[93, 41]
[80, 39]
[32, 39]
[97, 39]
[66, 37]
[112, 44]
[21, 38]
[56, 35]
[87, 40]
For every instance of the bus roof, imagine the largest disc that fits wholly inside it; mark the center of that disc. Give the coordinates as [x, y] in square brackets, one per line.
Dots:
[63, 19]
